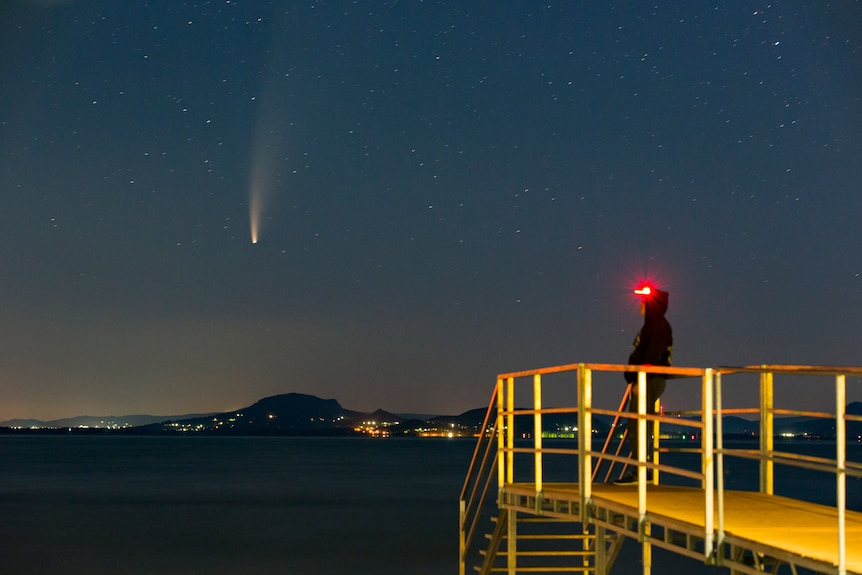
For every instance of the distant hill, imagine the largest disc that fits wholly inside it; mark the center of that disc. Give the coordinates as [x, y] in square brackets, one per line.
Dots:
[301, 414]
[96, 421]
[287, 413]
[290, 413]
[731, 425]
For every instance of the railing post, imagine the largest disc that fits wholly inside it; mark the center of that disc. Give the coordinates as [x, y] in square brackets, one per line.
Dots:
[655, 433]
[510, 430]
[512, 542]
[766, 432]
[643, 524]
[708, 471]
[841, 467]
[537, 434]
[501, 436]
[585, 438]
[642, 442]
[601, 551]
[719, 472]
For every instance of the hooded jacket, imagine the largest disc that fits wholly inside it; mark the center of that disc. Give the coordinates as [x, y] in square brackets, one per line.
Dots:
[653, 344]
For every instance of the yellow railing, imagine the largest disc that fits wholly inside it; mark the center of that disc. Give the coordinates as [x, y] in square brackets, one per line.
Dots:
[499, 430]
[768, 456]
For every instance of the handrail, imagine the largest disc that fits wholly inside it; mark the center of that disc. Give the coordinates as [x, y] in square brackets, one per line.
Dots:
[482, 432]
[610, 436]
[471, 507]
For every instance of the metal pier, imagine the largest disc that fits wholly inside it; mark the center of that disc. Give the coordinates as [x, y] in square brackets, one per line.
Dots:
[531, 506]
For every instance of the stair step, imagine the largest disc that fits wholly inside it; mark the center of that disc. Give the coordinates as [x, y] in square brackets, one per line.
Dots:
[585, 570]
[555, 553]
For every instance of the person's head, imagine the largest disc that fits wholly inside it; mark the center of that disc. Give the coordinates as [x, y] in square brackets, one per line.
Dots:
[655, 306]
[654, 302]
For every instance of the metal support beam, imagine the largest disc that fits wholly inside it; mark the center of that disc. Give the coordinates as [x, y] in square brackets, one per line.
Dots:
[708, 471]
[767, 432]
[512, 543]
[841, 467]
[601, 551]
[537, 433]
[499, 429]
[585, 437]
[643, 438]
[510, 430]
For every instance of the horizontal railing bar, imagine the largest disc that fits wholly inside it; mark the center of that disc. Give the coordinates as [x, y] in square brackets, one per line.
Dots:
[801, 369]
[679, 471]
[648, 416]
[680, 449]
[600, 411]
[776, 455]
[540, 371]
[613, 367]
[556, 451]
[543, 410]
[853, 469]
[676, 421]
[796, 412]
[739, 410]
[697, 412]
[661, 468]
[775, 411]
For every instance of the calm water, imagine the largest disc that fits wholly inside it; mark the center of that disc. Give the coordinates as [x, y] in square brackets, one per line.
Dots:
[172, 505]
[186, 505]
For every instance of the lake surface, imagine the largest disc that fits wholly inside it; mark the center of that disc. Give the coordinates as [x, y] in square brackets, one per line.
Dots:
[179, 505]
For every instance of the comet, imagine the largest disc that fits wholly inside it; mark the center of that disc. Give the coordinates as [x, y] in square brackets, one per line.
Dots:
[270, 144]
[255, 206]
[267, 164]
[260, 181]
[264, 176]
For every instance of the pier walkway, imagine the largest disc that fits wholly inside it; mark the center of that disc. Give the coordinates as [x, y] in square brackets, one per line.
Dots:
[532, 504]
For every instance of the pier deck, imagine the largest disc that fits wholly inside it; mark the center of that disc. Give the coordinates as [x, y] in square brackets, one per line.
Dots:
[775, 525]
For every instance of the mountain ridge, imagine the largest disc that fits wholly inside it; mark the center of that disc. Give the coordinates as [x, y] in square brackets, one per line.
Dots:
[303, 414]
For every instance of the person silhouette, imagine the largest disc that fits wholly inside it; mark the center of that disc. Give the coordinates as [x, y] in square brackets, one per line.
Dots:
[653, 345]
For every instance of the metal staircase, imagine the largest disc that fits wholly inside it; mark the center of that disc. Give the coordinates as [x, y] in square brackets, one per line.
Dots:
[531, 535]
[544, 545]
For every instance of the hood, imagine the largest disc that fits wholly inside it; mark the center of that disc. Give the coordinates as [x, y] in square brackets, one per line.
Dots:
[656, 305]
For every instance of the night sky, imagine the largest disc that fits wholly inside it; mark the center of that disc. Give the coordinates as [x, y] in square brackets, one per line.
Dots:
[442, 191]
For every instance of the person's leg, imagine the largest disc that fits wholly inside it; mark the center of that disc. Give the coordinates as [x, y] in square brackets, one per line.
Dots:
[655, 387]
